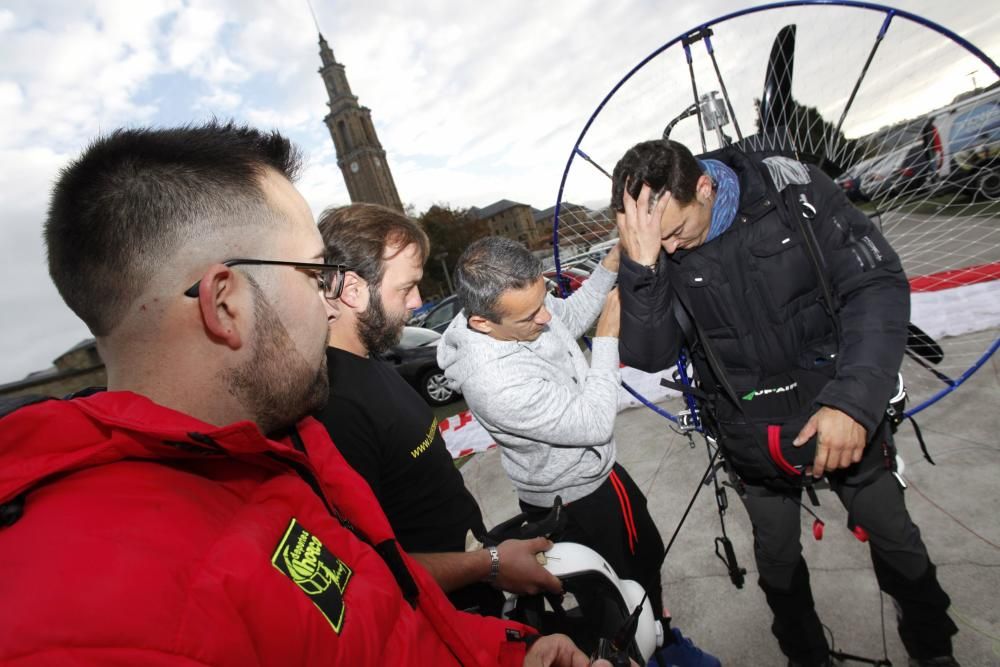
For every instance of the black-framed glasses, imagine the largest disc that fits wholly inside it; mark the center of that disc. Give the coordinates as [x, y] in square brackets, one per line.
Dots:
[329, 276]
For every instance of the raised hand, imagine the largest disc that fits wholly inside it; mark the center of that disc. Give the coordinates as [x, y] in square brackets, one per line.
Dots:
[639, 230]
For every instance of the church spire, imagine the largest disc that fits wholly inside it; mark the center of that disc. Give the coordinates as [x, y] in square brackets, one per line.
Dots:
[360, 156]
[333, 73]
[325, 53]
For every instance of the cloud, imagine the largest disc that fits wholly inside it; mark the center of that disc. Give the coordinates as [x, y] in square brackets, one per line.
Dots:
[220, 101]
[193, 37]
[321, 182]
[472, 102]
[75, 76]
[37, 326]
[7, 19]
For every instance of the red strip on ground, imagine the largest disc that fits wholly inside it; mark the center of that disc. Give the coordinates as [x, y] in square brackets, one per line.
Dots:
[970, 275]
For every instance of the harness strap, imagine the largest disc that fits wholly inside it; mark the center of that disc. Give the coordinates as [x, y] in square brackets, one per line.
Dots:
[389, 551]
[774, 447]
[808, 213]
[681, 311]
[920, 439]
[683, 388]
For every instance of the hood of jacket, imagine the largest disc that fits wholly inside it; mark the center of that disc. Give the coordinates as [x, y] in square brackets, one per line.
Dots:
[56, 437]
[462, 351]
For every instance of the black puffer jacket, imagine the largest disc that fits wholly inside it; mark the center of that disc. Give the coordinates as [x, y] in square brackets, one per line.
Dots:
[755, 294]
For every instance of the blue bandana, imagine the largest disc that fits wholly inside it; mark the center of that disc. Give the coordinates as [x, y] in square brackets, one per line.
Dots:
[727, 196]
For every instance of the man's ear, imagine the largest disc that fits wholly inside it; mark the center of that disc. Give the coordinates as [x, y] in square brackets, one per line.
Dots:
[704, 189]
[355, 293]
[333, 309]
[225, 305]
[480, 324]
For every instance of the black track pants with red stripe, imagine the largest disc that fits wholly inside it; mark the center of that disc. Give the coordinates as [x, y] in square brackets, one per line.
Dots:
[614, 522]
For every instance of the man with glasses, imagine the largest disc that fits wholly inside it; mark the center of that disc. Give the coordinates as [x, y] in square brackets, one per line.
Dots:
[329, 277]
[190, 514]
[387, 432]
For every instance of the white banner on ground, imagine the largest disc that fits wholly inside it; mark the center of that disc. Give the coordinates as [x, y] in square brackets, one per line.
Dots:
[464, 435]
[957, 310]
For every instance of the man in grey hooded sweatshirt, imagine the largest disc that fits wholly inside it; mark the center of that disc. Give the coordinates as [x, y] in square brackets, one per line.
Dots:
[513, 353]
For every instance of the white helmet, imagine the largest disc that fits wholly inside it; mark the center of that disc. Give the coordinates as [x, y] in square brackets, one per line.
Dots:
[595, 604]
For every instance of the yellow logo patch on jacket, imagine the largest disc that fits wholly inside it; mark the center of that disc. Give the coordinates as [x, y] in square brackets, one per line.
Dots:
[323, 577]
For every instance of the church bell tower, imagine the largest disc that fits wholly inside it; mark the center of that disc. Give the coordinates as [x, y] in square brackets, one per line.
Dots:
[360, 156]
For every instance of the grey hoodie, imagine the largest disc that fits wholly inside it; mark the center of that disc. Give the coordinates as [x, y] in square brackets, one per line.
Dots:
[551, 413]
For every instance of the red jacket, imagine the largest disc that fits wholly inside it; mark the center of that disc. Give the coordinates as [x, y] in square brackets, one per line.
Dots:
[149, 537]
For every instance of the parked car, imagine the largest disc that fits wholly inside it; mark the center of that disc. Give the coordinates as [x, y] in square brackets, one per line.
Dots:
[421, 312]
[438, 317]
[974, 146]
[576, 268]
[901, 173]
[415, 359]
[570, 279]
[850, 180]
[962, 144]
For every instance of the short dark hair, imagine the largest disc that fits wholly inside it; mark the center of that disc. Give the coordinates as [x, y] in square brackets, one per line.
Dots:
[136, 195]
[488, 268]
[358, 235]
[662, 165]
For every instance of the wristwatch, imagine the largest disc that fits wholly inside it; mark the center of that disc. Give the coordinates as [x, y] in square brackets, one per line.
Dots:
[653, 267]
[494, 564]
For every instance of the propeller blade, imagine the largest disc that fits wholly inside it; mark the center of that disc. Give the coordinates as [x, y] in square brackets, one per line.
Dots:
[923, 345]
[776, 101]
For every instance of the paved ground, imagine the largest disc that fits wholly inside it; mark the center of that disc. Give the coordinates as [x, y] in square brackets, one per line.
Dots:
[956, 504]
[948, 240]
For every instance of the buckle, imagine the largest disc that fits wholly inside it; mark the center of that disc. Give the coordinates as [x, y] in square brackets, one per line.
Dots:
[895, 410]
[686, 421]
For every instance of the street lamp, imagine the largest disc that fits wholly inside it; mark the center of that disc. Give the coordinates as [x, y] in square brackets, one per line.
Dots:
[444, 266]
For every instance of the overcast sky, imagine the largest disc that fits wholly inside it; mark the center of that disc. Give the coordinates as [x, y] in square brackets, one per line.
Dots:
[473, 101]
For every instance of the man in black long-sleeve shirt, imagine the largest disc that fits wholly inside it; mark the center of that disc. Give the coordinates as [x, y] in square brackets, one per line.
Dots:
[386, 431]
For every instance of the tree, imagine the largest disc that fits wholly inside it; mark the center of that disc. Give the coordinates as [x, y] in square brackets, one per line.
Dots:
[813, 137]
[450, 231]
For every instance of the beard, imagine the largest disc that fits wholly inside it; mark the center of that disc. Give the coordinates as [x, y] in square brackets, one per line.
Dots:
[278, 385]
[377, 329]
